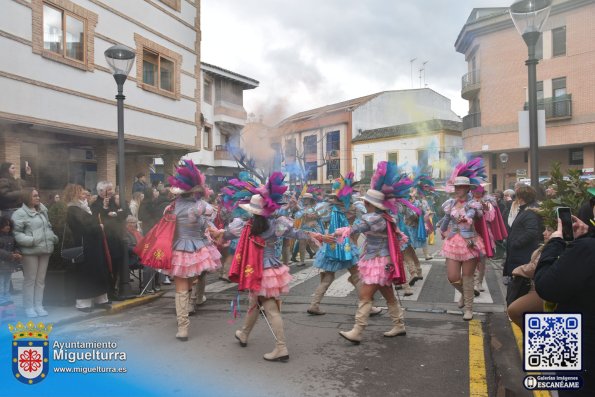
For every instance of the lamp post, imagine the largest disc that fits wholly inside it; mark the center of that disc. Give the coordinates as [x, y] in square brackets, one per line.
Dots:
[120, 59]
[504, 161]
[529, 16]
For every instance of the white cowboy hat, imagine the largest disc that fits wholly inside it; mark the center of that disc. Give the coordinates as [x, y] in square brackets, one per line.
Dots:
[255, 206]
[375, 198]
[307, 196]
[462, 181]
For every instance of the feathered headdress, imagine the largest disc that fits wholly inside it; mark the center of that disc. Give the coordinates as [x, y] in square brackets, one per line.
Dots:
[424, 185]
[238, 191]
[395, 186]
[272, 193]
[187, 179]
[473, 169]
[316, 192]
[343, 188]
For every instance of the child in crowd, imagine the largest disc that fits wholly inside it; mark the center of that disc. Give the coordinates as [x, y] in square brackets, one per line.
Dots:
[10, 257]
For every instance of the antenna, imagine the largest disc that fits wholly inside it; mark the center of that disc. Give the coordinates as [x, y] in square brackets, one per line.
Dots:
[423, 65]
[420, 72]
[411, 64]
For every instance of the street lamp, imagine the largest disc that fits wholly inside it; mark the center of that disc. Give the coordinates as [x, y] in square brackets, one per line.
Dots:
[504, 161]
[529, 16]
[120, 59]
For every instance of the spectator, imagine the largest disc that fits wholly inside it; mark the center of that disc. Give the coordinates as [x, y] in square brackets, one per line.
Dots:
[10, 257]
[137, 198]
[140, 185]
[34, 235]
[565, 275]
[531, 302]
[133, 236]
[92, 276]
[512, 208]
[108, 213]
[525, 231]
[11, 186]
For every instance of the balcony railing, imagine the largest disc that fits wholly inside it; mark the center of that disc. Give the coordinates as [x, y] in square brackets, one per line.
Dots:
[555, 108]
[222, 154]
[472, 120]
[470, 84]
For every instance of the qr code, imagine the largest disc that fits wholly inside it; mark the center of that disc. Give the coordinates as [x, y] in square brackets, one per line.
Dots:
[552, 342]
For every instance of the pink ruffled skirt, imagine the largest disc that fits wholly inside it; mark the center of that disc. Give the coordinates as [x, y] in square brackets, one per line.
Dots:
[373, 271]
[457, 248]
[275, 281]
[190, 264]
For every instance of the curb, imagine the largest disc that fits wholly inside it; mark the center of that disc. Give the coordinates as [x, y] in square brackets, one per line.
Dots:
[116, 308]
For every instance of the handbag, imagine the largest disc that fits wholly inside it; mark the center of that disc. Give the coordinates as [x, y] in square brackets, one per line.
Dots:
[74, 255]
[519, 286]
[155, 249]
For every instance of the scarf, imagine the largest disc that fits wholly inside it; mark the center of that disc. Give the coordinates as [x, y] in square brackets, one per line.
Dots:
[81, 204]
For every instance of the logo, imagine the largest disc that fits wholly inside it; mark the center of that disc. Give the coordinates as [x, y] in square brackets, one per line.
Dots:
[30, 351]
[530, 382]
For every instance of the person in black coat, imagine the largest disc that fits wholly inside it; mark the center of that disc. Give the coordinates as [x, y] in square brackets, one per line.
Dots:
[113, 218]
[92, 276]
[565, 275]
[525, 233]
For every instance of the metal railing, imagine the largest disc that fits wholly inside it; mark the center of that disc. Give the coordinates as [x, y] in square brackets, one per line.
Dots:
[472, 120]
[470, 82]
[555, 108]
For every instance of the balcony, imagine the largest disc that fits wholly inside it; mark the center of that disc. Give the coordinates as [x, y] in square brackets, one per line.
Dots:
[222, 154]
[470, 84]
[472, 120]
[559, 108]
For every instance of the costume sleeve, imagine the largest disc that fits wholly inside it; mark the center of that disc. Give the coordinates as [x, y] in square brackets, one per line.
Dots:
[490, 214]
[370, 223]
[234, 229]
[563, 272]
[284, 228]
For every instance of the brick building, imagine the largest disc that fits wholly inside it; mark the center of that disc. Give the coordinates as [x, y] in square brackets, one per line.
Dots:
[496, 88]
[57, 109]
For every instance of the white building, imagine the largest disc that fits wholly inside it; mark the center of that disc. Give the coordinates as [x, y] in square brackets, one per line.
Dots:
[334, 139]
[57, 109]
[224, 117]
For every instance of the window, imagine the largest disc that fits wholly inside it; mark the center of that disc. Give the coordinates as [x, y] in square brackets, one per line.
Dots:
[575, 156]
[333, 142]
[369, 163]
[65, 34]
[539, 88]
[206, 137]
[559, 41]
[393, 157]
[311, 168]
[158, 71]
[159, 68]
[310, 152]
[560, 103]
[175, 4]
[290, 150]
[207, 89]
[422, 159]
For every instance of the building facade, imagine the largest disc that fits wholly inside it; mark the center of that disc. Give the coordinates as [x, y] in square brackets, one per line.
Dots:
[223, 121]
[58, 111]
[326, 142]
[496, 88]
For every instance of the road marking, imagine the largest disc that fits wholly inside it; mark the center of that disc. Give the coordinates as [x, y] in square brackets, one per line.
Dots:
[518, 336]
[478, 386]
[303, 275]
[417, 287]
[484, 297]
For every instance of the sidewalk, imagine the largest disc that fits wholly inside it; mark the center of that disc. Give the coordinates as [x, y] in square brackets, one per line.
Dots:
[61, 315]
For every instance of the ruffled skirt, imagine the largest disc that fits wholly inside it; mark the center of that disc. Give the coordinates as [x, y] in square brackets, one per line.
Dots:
[457, 248]
[275, 281]
[329, 264]
[190, 264]
[374, 271]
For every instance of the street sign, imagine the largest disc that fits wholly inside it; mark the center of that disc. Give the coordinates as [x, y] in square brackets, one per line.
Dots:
[521, 172]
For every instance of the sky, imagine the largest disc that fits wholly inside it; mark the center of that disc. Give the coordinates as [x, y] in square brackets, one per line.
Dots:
[312, 53]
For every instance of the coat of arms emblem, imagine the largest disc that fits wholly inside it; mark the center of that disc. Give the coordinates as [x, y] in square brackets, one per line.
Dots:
[30, 351]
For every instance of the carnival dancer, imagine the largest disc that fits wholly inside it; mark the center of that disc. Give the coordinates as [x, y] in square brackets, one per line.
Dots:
[310, 221]
[256, 268]
[381, 263]
[332, 257]
[424, 187]
[462, 246]
[194, 253]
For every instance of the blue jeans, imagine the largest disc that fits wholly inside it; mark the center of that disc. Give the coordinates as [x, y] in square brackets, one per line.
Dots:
[5, 288]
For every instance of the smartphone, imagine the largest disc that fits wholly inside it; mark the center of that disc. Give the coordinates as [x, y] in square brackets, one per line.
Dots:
[566, 216]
